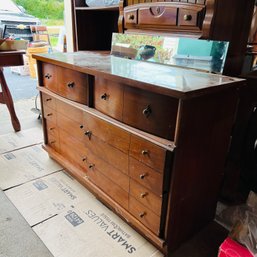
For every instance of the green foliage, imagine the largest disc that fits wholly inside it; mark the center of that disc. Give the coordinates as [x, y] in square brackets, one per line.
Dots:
[43, 9]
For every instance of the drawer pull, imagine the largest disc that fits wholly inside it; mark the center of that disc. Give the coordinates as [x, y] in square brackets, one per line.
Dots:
[142, 214]
[91, 166]
[143, 195]
[81, 126]
[49, 99]
[131, 17]
[51, 129]
[52, 142]
[48, 76]
[187, 17]
[71, 84]
[49, 114]
[88, 133]
[84, 159]
[142, 176]
[147, 111]
[104, 96]
[145, 152]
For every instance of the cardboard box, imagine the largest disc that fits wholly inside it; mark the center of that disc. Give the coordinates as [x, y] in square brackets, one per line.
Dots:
[20, 166]
[13, 141]
[72, 222]
[230, 248]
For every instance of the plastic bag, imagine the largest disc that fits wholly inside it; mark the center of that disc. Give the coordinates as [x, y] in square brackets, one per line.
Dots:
[98, 3]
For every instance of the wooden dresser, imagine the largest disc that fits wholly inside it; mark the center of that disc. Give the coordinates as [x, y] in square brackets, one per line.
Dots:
[148, 140]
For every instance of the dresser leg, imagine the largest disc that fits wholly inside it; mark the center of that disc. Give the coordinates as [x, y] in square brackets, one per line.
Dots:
[6, 98]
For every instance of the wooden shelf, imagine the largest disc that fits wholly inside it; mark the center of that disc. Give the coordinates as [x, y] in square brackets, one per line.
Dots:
[102, 8]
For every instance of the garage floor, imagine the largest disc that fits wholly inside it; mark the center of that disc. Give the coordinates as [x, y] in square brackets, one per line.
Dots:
[17, 238]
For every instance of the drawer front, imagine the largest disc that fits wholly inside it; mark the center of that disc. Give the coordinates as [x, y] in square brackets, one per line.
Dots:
[49, 101]
[49, 76]
[157, 15]
[103, 182]
[72, 85]
[188, 18]
[49, 114]
[144, 110]
[108, 97]
[107, 132]
[146, 197]
[51, 128]
[146, 176]
[53, 141]
[106, 152]
[144, 215]
[69, 111]
[147, 153]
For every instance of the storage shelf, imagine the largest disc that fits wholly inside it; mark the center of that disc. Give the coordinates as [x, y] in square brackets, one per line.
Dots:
[102, 8]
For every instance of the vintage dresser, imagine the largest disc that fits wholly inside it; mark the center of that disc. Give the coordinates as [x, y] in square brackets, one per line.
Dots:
[148, 140]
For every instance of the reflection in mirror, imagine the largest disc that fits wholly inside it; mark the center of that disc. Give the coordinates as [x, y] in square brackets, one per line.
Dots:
[197, 54]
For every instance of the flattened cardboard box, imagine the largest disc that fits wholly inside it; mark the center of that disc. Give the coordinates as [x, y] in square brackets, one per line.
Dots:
[72, 222]
[13, 141]
[23, 165]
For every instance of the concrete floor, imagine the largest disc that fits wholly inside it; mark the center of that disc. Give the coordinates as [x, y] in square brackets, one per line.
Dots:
[17, 239]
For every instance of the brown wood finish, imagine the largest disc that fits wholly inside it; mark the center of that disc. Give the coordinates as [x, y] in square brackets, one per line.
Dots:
[49, 101]
[51, 128]
[49, 114]
[49, 76]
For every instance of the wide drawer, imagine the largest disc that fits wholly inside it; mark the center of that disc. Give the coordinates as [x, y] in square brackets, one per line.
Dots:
[144, 215]
[146, 197]
[108, 97]
[146, 176]
[148, 153]
[144, 110]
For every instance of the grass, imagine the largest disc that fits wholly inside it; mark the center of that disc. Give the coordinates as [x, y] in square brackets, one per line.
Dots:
[50, 22]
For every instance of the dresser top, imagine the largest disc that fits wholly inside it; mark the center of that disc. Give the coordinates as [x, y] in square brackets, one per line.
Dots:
[163, 79]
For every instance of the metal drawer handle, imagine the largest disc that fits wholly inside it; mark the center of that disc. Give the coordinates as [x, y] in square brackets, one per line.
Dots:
[49, 114]
[143, 195]
[187, 17]
[142, 214]
[145, 152]
[104, 96]
[48, 76]
[88, 133]
[142, 176]
[71, 84]
[147, 111]
[91, 166]
[131, 17]
[49, 99]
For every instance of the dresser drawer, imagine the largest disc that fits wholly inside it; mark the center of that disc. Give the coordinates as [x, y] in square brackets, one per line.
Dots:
[146, 197]
[144, 110]
[107, 132]
[49, 101]
[146, 176]
[189, 18]
[49, 76]
[113, 190]
[147, 153]
[72, 85]
[108, 97]
[144, 215]
[157, 15]
[49, 114]
[53, 141]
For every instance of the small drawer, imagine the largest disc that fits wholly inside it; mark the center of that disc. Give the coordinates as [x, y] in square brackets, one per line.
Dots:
[108, 97]
[69, 111]
[72, 85]
[189, 18]
[130, 16]
[107, 132]
[49, 76]
[150, 154]
[49, 114]
[53, 142]
[157, 15]
[48, 101]
[51, 128]
[146, 197]
[113, 190]
[146, 176]
[143, 110]
[144, 215]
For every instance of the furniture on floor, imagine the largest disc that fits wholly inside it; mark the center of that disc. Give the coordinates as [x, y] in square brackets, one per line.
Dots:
[152, 148]
[9, 58]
